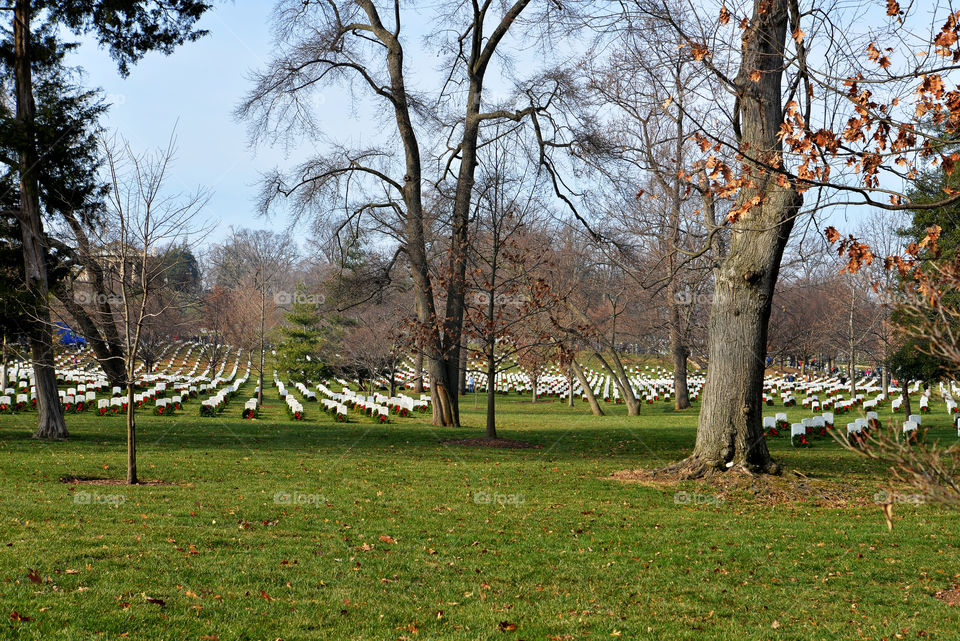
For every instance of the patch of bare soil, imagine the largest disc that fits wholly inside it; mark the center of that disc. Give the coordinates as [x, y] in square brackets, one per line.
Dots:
[498, 443]
[950, 597]
[786, 488]
[89, 480]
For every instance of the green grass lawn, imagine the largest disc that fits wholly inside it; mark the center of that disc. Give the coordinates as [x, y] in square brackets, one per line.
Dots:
[315, 530]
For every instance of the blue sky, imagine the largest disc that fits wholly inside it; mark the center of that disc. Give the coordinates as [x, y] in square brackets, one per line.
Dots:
[195, 90]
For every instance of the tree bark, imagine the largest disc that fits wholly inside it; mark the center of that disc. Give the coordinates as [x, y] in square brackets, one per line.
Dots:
[109, 355]
[50, 421]
[622, 381]
[393, 379]
[103, 336]
[418, 381]
[3, 364]
[491, 395]
[730, 433]
[679, 351]
[441, 380]
[442, 343]
[131, 437]
[680, 388]
[587, 390]
[462, 376]
[442, 407]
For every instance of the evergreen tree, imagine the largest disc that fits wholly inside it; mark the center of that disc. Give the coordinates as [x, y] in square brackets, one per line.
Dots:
[303, 340]
[916, 357]
[930, 188]
[129, 30]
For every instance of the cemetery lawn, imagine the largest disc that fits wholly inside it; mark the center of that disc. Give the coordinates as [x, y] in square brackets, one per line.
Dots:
[271, 529]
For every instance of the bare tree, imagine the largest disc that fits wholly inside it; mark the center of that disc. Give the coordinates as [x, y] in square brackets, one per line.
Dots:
[218, 304]
[143, 216]
[256, 262]
[657, 229]
[825, 127]
[362, 45]
[510, 246]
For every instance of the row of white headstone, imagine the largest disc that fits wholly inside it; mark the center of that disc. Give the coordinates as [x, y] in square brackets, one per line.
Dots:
[217, 400]
[295, 406]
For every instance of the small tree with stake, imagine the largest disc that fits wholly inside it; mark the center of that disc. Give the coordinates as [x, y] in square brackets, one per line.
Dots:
[142, 217]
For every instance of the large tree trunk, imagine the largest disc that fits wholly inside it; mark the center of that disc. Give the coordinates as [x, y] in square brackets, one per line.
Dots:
[678, 350]
[587, 390]
[481, 50]
[730, 433]
[3, 364]
[622, 381]
[462, 376]
[50, 421]
[131, 436]
[441, 374]
[442, 400]
[109, 355]
[681, 391]
[491, 396]
[449, 396]
[418, 381]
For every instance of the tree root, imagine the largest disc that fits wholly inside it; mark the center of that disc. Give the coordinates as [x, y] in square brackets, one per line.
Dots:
[695, 467]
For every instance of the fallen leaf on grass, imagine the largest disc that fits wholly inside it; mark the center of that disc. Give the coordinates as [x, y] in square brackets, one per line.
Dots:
[34, 577]
[506, 626]
[150, 599]
[16, 616]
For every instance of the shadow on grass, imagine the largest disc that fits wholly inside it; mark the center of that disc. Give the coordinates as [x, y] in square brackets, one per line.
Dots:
[633, 443]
